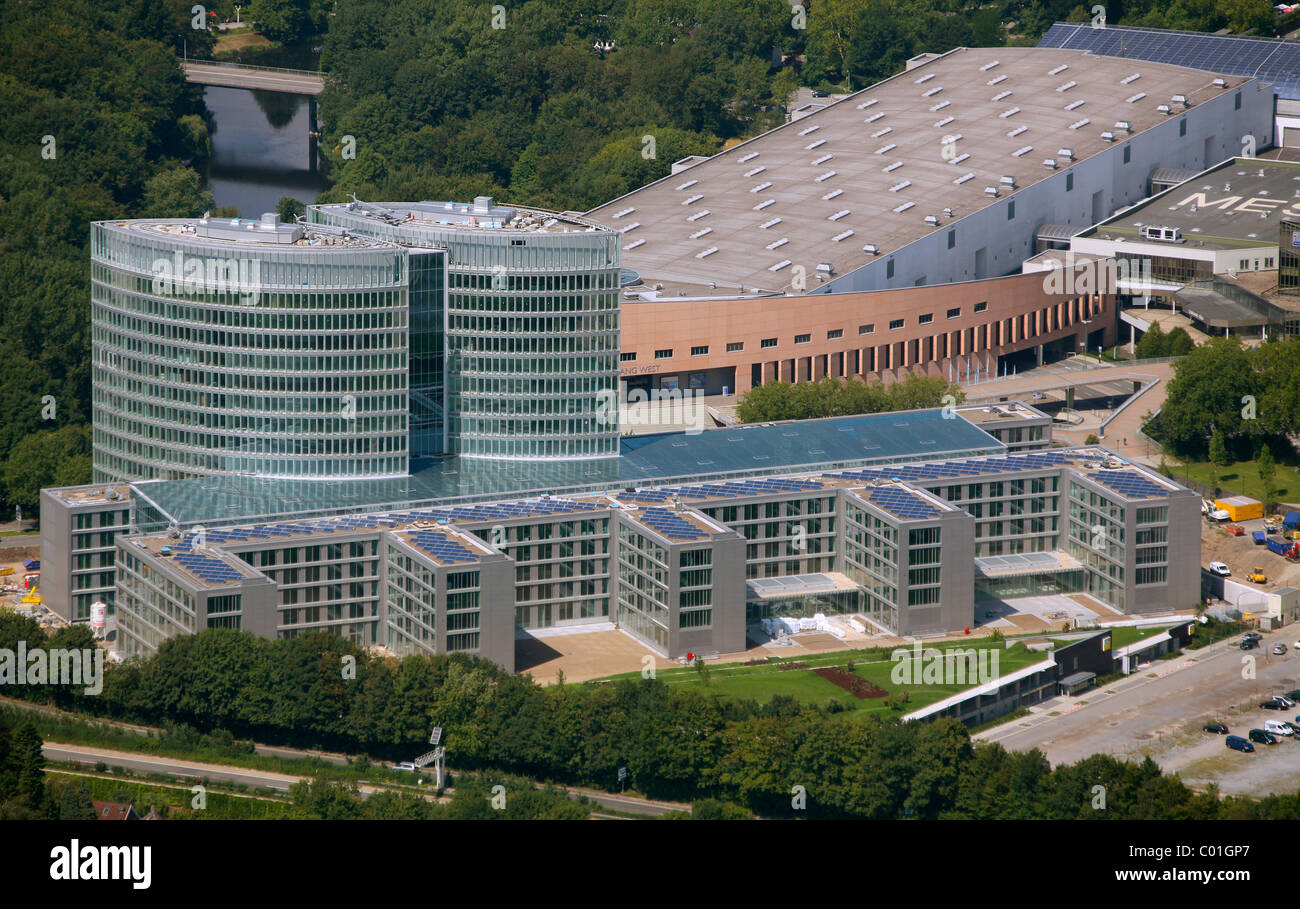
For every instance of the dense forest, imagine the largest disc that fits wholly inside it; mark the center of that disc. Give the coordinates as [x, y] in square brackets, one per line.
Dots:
[677, 743]
[96, 122]
[541, 102]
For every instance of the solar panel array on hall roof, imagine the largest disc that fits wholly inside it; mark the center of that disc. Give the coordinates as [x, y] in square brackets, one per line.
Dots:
[1130, 484]
[729, 490]
[441, 546]
[670, 525]
[952, 470]
[901, 503]
[1267, 59]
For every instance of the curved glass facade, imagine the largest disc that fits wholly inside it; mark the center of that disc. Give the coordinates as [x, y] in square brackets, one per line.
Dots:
[237, 347]
[531, 324]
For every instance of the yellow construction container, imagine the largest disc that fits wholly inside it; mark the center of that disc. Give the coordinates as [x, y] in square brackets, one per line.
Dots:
[4, 571]
[1241, 508]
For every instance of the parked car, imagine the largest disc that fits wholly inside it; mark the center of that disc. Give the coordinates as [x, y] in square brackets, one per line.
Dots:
[1216, 728]
[1253, 636]
[1279, 650]
[1220, 569]
[1294, 727]
[1272, 705]
[1262, 737]
[405, 765]
[1276, 727]
[1284, 701]
[821, 93]
[1249, 643]
[1237, 743]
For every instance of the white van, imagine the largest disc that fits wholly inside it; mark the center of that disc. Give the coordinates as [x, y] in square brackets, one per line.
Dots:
[1277, 728]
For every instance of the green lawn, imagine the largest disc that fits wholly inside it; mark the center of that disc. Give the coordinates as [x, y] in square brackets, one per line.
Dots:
[1129, 634]
[1242, 478]
[762, 682]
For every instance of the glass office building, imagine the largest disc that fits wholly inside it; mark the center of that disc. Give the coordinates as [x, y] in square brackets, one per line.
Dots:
[530, 323]
[232, 346]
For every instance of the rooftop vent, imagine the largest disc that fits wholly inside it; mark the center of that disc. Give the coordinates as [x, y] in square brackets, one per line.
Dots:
[1017, 131]
[1080, 124]
[1180, 100]
[1124, 126]
[1163, 108]
[749, 157]
[991, 191]
[688, 184]
[932, 220]
[1020, 152]
[1008, 181]
[1133, 99]
[777, 244]
[988, 66]
[944, 122]
[1220, 83]
[865, 104]
[1060, 69]
[1065, 87]
[1108, 136]
[871, 249]
[904, 207]
[873, 118]
[1128, 79]
[1075, 104]
[1049, 163]
[1002, 94]
[1009, 113]
[963, 178]
[940, 106]
[997, 79]
[1066, 153]
[960, 158]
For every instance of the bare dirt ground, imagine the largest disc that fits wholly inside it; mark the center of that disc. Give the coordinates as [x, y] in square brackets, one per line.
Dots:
[1241, 555]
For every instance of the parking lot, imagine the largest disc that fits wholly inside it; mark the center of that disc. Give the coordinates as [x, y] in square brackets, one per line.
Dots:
[1160, 711]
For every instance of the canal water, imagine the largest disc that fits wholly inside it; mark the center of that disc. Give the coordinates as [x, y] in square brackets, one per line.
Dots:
[260, 149]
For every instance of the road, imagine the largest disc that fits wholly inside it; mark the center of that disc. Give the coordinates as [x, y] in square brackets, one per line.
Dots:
[147, 763]
[233, 76]
[283, 782]
[1127, 717]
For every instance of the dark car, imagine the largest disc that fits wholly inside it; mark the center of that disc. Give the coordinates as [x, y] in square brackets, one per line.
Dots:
[1273, 705]
[821, 93]
[1294, 694]
[1237, 743]
[1252, 636]
[1216, 728]
[1264, 738]
[1249, 644]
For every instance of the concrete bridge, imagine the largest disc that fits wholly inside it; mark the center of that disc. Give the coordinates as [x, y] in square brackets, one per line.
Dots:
[259, 78]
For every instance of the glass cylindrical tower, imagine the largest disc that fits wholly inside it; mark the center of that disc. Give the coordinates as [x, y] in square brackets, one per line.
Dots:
[531, 323]
[233, 346]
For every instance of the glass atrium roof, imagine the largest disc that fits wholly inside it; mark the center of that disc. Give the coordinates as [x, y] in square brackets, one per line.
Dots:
[729, 452]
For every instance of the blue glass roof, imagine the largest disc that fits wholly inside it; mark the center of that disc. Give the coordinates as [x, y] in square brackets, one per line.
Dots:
[1268, 59]
[715, 454]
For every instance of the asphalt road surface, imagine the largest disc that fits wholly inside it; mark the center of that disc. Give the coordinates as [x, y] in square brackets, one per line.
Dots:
[1129, 717]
